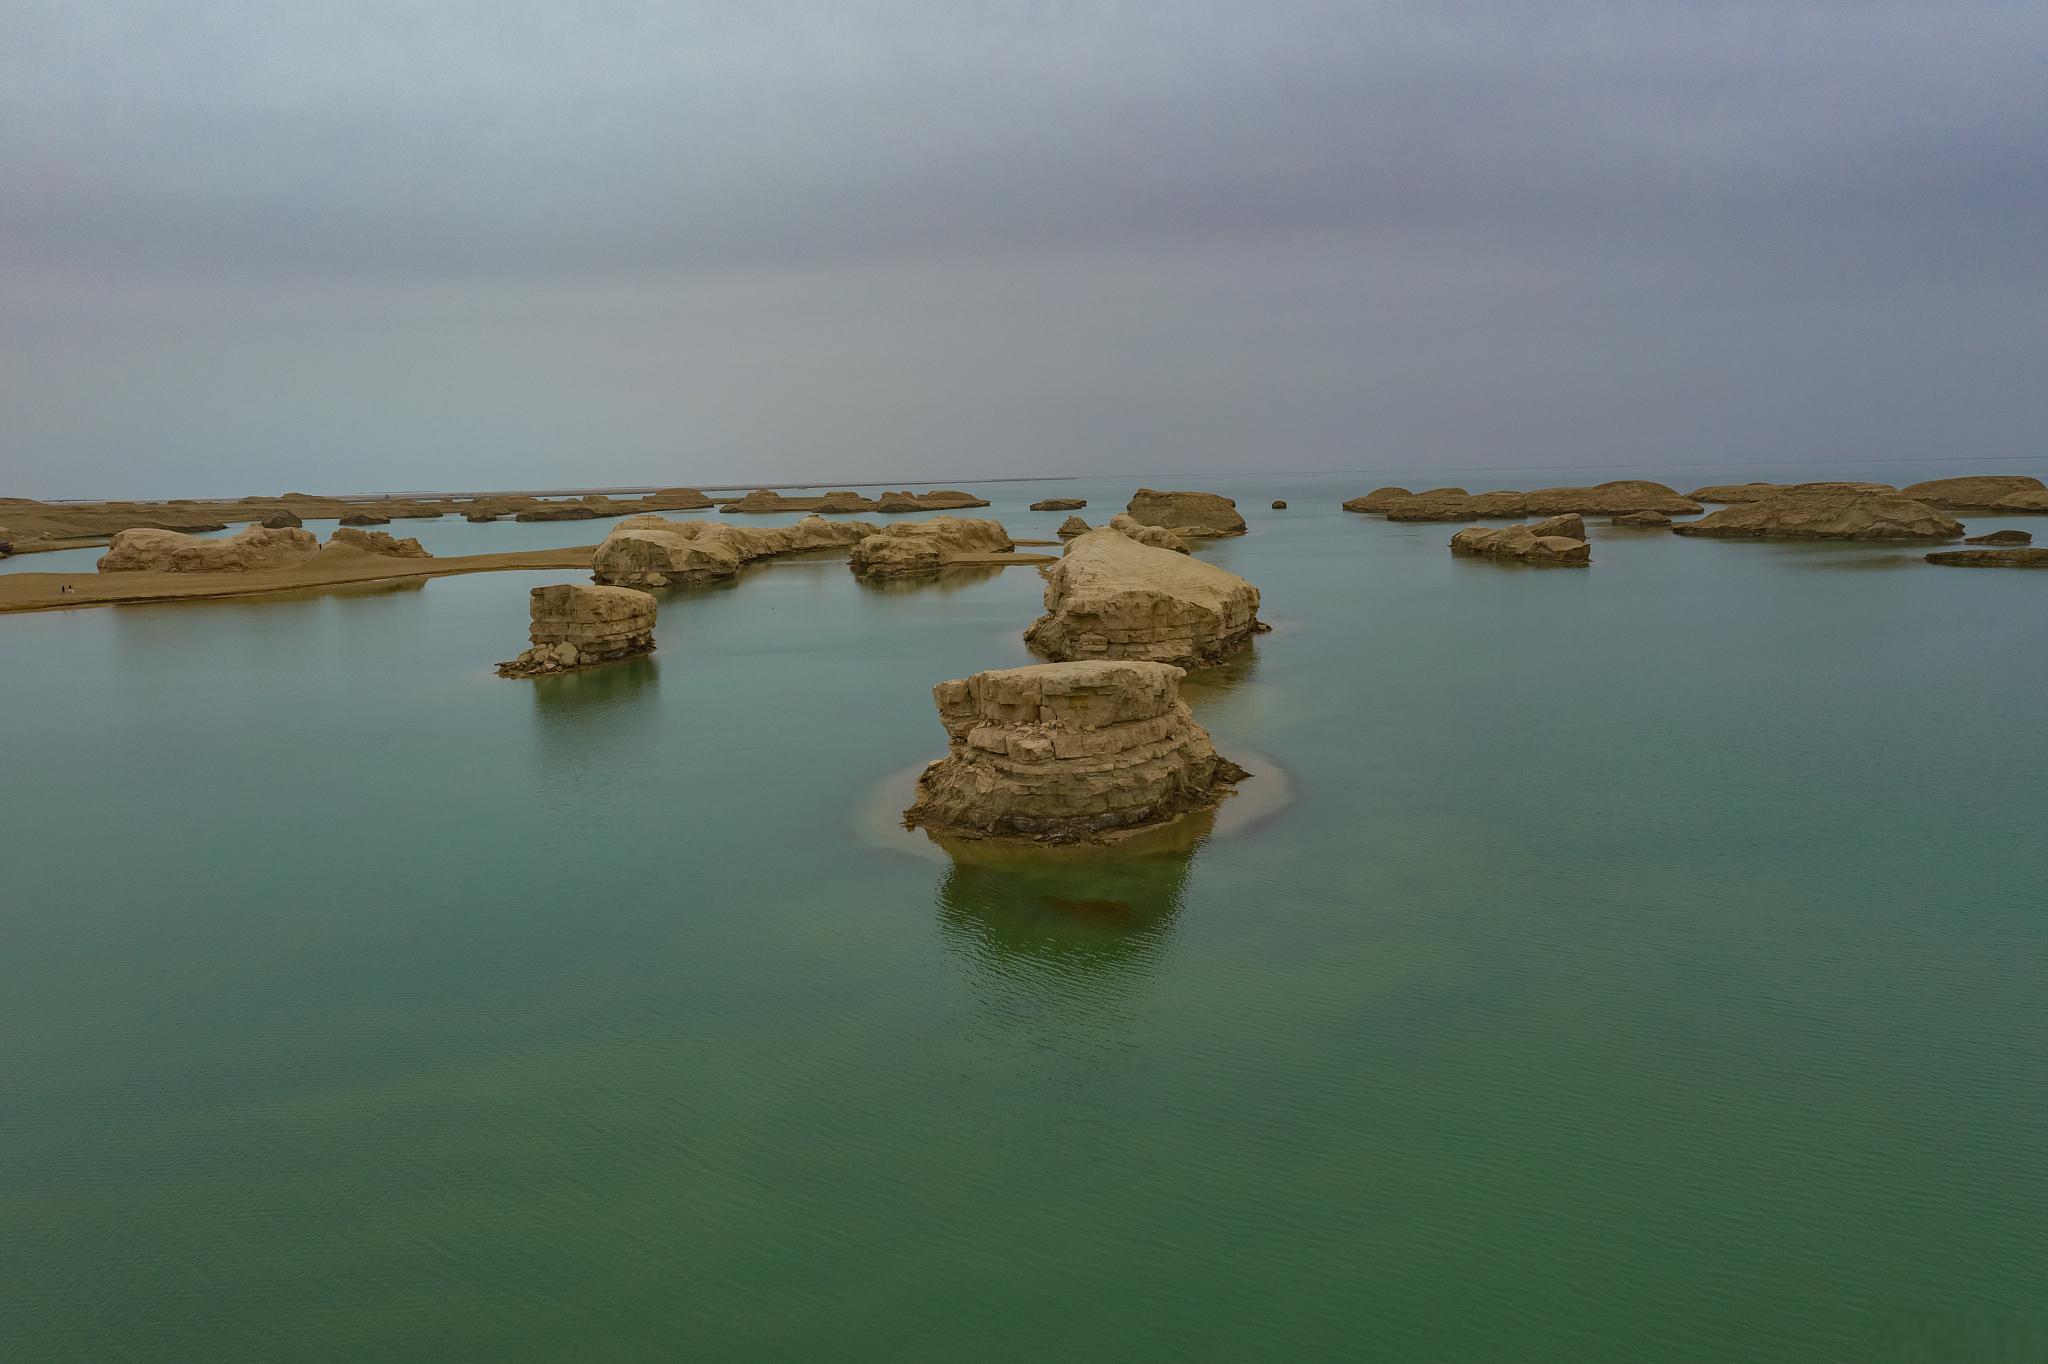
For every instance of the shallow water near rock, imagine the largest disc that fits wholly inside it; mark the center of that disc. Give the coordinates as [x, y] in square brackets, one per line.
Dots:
[1647, 964]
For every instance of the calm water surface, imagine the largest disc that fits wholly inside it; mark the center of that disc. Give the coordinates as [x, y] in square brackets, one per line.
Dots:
[1648, 965]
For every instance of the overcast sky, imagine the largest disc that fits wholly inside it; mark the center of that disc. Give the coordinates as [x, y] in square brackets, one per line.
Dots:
[263, 245]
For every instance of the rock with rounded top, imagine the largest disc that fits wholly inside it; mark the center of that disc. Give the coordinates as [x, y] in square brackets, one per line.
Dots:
[1186, 513]
[558, 511]
[2001, 537]
[1379, 499]
[365, 519]
[282, 520]
[168, 551]
[1279, 504]
[1060, 504]
[1067, 752]
[2026, 500]
[1826, 516]
[575, 625]
[911, 547]
[1982, 492]
[1522, 545]
[1110, 597]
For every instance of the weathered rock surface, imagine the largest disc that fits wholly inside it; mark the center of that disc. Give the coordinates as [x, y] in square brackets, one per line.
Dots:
[365, 519]
[1156, 536]
[652, 551]
[1602, 499]
[2001, 537]
[1060, 504]
[576, 626]
[282, 520]
[1978, 493]
[2027, 500]
[167, 551]
[1186, 513]
[1826, 516]
[1379, 499]
[1112, 597]
[1522, 544]
[480, 515]
[1991, 558]
[1455, 504]
[1279, 504]
[1073, 526]
[844, 500]
[1571, 526]
[674, 499]
[1642, 518]
[558, 511]
[908, 547]
[1067, 752]
[376, 542]
[1756, 492]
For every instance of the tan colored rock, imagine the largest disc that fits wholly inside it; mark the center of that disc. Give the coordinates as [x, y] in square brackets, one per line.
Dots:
[1571, 526]
[1186, 513]
[577, 626]
[675, 499]
[1980, 493]
[2027, 500]
[1756, 492]
[908, 547]
[558, 511]
[1610, 498]
[1521, 544]
[1073, 526]
[1067, 752]
[1455, 504]
[167, 551]
[1156, 536]
[1826, 516]
[1060, 504]
[282, 520]
[2001, 537]
[652, 551]
[1991, 558]
[375, 542]
[1654, 519]
[481, 515]
[365, 519]
[1379, 499]
[1111, 597]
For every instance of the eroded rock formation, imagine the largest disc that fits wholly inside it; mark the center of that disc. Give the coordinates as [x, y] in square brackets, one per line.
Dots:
[576, 626]
[1186, 513]
[2026, 500]
[376, 542]
[1379, 499]
[1523, 545]
[167, 551]
[281, 520]
[1156, 536]
[1060, 504]
[1826, 516]
[843, 501]
[1602, 499]
[2001, 537]
[1756, 492]
[1655, 519]
[367, 519]
[1571, 526]
[1067, 752]
[558, 511]
[1979, 493]
[1112, 597]
[1073, 526]
[909, 547]
[652, 551]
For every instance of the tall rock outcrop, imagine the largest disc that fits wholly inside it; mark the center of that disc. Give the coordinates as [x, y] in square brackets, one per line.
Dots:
[1206, 515]
[577, 626]
[652, 551]
[1067, 752]
[910, 547]
[1826, 516]
[1522, 545]
[167, 551]
[1110, 597]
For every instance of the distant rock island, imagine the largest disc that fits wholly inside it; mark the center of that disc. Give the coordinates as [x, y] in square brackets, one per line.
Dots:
[1523, 544]
[1826, 516]
[939, 499]
[1186, 514]
[1455, 504]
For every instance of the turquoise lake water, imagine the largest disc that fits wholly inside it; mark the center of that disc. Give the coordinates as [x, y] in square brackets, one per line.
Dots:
[1649, 963]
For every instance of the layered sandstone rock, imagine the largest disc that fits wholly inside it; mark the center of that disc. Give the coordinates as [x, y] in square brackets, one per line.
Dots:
[1060, 504]
[1156, 536]
[1073, 526]
[1067, 752]
[1523, 545]
[167, 551]
[652, 551]
[1186, 513]
[1654, 519]
[1757, 492]
[2001, 537]
[1979, 493]
[376, 542]
[1111, 597]
[1380, 499]
[1571, 526]
[1991, 558]
[576, 626]
[909, 547]
[1826, 516]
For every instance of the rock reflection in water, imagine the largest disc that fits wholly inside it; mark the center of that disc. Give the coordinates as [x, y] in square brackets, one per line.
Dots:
[950, 578]
[597, 722]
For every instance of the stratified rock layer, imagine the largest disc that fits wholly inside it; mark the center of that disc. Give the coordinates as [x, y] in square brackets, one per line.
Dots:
[1111, 597]
[167, 551]
[910, 547]
[1186, 513]
[577, 626]
[1523, 545]
[1826, 516]
[652, 551]
[1067, 752]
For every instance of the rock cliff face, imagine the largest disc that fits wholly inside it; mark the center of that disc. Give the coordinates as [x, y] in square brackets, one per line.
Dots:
[1110, 597]
[1067, 752]
[1156, 536]
[2001, 537]
[1379, 499]
[1991, 558]
[652, 551]
[376, 542]
[167, 551]
[576, 626]
[1826, 516]
[1060, 504]
[1073, 526]
[1185, 513]
[1522, 544]
[908, 547]
[1980, 493]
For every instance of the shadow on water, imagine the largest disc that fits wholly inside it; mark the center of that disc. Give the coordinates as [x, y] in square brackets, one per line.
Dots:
[951, 578]
[1218, 680]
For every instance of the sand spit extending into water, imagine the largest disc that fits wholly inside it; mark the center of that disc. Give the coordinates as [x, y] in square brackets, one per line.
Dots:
[44, 591]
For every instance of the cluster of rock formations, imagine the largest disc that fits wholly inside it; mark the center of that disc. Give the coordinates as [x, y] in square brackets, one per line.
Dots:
[1112, 597]
[1189, 515]
[652, 551]
[1826, 516]
[1060, 504]
[1455, 504]
[256, 549]
[843, 500]
[577, 626]
[1067, 752]
[1523, 544]
[912, 547]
